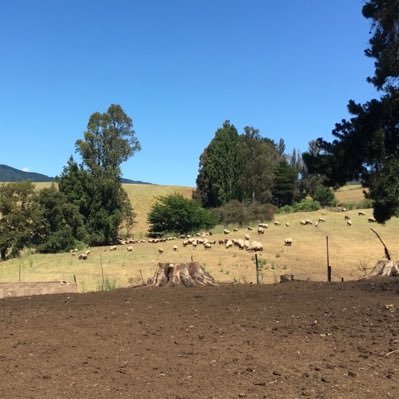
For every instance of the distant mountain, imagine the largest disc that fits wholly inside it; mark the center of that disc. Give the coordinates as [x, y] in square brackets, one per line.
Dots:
[9, 174]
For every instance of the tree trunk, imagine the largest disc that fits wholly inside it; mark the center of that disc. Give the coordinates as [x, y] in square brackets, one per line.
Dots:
[184, 274]
[385, 268]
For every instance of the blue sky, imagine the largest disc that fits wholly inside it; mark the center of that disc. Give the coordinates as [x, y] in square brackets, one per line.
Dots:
[179, 69]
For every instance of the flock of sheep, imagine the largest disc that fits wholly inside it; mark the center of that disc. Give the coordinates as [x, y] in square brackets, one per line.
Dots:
[203, 239]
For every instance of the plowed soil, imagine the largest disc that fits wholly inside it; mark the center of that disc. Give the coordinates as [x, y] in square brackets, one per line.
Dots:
[292, 340]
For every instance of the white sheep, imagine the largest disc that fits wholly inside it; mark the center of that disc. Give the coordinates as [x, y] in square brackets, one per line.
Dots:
[371, 219]
[228, 244]
[113, 248]
[349, 222]
[288, 242]
[129, 248]
[287, 224]
[225, 231]
[261, 230]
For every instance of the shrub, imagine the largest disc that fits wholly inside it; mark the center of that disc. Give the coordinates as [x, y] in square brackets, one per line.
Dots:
[175, 213]
[325, 195]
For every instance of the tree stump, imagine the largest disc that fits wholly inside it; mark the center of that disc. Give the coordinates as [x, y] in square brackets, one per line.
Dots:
[385, 268]
[180, 274]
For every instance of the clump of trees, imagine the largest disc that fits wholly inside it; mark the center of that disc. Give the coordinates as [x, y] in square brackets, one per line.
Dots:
[245, 177]
[90, 204]
[366, 147]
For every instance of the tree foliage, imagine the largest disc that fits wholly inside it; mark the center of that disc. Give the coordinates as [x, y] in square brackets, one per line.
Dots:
[94, 186]
[175, 213]
[366, 147]
[16, 217]
[217, 181]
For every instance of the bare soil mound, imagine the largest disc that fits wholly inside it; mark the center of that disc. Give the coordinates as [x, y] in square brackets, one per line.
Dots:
[292, 340]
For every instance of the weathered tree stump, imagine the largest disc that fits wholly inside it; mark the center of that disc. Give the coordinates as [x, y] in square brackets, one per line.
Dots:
[385, 268]
[180, 274]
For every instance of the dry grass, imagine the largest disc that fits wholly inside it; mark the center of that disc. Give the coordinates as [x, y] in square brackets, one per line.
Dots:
[350, 194]
[352, 248]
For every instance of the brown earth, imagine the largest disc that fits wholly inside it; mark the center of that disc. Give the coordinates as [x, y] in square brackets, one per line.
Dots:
[292, 340]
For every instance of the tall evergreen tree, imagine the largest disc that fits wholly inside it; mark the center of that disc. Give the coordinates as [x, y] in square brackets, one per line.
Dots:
[284, 184]
[95, 185]
[217, 181]
[367, 145]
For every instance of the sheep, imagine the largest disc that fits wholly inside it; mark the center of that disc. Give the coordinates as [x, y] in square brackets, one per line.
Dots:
[277, 223]
[316, 224]
[129, 248]
[225, 231]
[347, 217]
[288, 242]
[303, 222]
[160, 250]
[83, 256]
[175, 248]
[228, 244]
[361, 213]
[249, 228]
[308, 221]
[264, 225]
[287, 224]
[240, 243]
[221, 242]
[255, 246]
[87, 252]
[207, 245]
[349, 222]
[235, 229]
[113, 248]
[246, 237]
[185, 243]
[261, 230]
[371, 219]
[322, 220]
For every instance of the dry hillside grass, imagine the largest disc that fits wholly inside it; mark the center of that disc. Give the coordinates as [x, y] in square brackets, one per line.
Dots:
[352, 194]
[354, 250]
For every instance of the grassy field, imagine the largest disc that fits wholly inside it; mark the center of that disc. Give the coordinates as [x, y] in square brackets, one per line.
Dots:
[351, 194]
[353, 250]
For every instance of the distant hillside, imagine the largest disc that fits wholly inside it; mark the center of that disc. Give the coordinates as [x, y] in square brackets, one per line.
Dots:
[9, 174]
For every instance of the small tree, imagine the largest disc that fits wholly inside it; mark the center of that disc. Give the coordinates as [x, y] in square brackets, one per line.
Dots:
[324, 195]
[175, 213]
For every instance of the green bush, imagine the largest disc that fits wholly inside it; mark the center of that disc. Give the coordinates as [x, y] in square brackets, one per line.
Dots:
[177, 214]
[325, 195]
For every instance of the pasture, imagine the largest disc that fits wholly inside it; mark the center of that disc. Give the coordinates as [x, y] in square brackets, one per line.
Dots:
[353, 252]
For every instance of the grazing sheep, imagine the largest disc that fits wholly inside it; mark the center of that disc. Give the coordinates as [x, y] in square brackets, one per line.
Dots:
[129, 248]
[175, 248]
[308, 221]
[287, 224]
[316, 224]
[160, 250]
[249, 228]
[240, 243]
[288, 242]
[264, 225]
[255, 246]
[323, 213]
[322, 220]
[83, 256]
[228, 244]
[371, 219]
[349, 222]
[221, 242]
[235, 229]
[113, 248]
[225, 231]
[276, 223]
[207, 245]
[87, 252]
[261, 230]
[246, 236]
[361, 213]
[303, 222]
[347, 217]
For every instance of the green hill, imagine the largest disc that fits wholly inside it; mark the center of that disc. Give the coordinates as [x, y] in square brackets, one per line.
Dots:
[9, 174]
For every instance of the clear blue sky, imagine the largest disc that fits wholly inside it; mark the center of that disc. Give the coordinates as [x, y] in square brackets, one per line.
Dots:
[178, 68]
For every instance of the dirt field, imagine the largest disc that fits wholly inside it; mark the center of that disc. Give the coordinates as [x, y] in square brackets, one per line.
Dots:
[291, 340]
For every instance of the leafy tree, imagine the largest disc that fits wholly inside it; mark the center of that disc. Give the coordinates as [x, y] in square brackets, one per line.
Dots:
[175, 213]
[94, 186]
[258, 158]
[366, 147]
[57, 223]
[217, 181]
[324, 195]
[15, 217]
